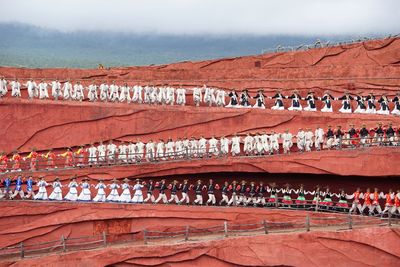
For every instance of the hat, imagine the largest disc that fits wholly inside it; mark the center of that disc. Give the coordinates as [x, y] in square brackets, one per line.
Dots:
[126, 180]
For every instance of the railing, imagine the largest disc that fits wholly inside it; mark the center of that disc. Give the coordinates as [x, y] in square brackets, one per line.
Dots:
[190, 233]
[42, 164]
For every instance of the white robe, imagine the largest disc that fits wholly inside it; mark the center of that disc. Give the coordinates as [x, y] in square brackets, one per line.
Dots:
[73, 192]
[57, 193]
[138, 195]
[114, 195]
[101, 194]
[126, 193]
[85, 194]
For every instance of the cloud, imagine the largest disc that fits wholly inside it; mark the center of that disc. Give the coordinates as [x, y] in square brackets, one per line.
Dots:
[259, 17]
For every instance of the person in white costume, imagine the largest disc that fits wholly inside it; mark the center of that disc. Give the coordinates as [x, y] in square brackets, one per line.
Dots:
[287, 141]
[327, 99]
[138, 195]
[126, 192]
[111, 149]
[162, 95]
[258, 147]
[3, 87]
[264, 138]
[274, 142]
[57, 192]
[139, 152]
[220, 98]
[153, 95]
[301, 140]
[201, 148]
[173, 188]
[113, 93]
[169, 149]
[101, 152]
[56, 91]
[122, 153]
[67, 90]
[160, 150]
[15, 88]
[101, 194]
[296, 105]
[43, 92]
[197, 96]
[181, 96]
[248, 144]
[85, 194]
[73, 192]
[310, 98]
[42, 193]
[150, 150]
[308, 140]
[179, 150]
[235, 149]
[224, 145]
[194, 148]
[170, 96]
[147, 94]
[137, 94]
[131, 149]
[92, 92]
[114, 195]
[213, 146]
[125, 93]
[104, 91]
[319, 138]
[78, 92]
[208, 95]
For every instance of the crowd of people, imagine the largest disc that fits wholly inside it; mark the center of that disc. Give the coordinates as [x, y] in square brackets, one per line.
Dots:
[230, 193]
[211, 96]
[256, 144]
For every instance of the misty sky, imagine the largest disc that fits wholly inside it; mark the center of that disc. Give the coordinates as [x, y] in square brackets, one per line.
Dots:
[260, 17]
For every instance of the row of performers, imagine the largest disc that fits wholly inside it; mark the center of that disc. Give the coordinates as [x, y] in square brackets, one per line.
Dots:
[233, 193]
[212, 96]
[258, 144]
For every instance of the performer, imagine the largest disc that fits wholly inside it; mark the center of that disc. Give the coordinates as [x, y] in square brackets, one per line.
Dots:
[260, 99]
[379, 134]
[327, 99]
[69, 158]
[327, 201]
[92, 92]
[57, 192]
[3, 87]
[310, 101]
[185, 187]
[85, 194]
[77, 93]
[122, 153]
[235, 149]
[346, 102]
[301, 199]
[295, 101]
[139, 150]
[111, 150]
[278, 105]
[224, 193]
[16, 158]
[301, 140]
[351, 136]
[174, 189]
[371, 108]
[272, 190]
[220, 98]
[160, 150]
[181, 96]
[32, 89]
[390, 135]
[224, 145]
[114, 195]
[18, 188]
[15, 88]
[67, 90]
[330, 137]
[245, 98]
[150, 187]
[209, 95]
[234, 188]
[169, 149]
[210, 191]
[375, 196]
[389, 201]
[361, 108]
[7, 190]
[104, 88]
[308, 137]
[29, 188]
[161, 192]
[242, 188]
[125, 93]
[199, 195]
[260, 195]
[319, 138]
[101, 194]
[113, 93]
[150, 150]
[138, 195]
[34, 159]
[342, 205]
[384, 102]
[367, 201]
[233, 103]
[42, 193]
[252, 195]
[197, 96]
[50, 157]
[265, 143]
[274, 143]
[43, 92]
[396, 206]
[92, 160]
[356, 196]
[396, 101]
[126, 192]
[248, 144]
[3, 162]
[317, 193]
[73, 192]
[364, 136]
[137, 94]
[287, 199]
[213, 147]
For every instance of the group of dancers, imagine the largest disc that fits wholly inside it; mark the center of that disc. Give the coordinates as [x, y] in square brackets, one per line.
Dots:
[232, 194]
[169, 95]
[256, 144]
